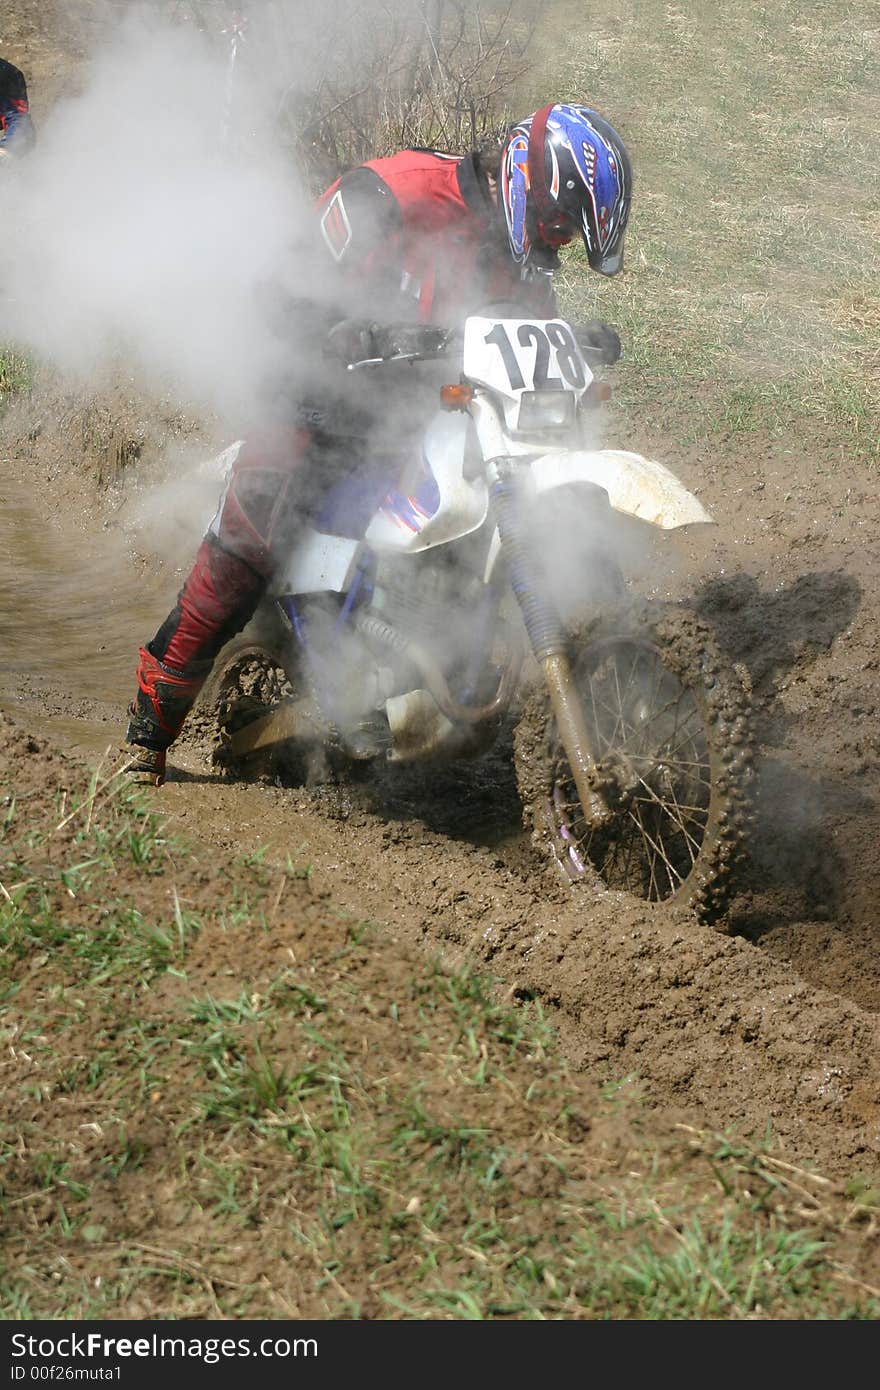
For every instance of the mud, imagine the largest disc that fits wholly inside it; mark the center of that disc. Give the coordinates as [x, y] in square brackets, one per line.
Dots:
[773, 1024]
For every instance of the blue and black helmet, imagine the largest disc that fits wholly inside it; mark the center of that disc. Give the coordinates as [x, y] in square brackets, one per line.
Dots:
[565, 169]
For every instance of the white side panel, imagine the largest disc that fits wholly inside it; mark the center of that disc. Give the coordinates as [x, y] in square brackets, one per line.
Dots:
[319, 563]
[220, 465]
[462, 506]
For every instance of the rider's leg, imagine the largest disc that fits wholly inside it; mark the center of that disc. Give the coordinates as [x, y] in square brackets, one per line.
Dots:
[221, 592]
[219, 596]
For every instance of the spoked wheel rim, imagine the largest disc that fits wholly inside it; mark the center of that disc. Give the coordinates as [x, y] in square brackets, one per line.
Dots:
[655, 771]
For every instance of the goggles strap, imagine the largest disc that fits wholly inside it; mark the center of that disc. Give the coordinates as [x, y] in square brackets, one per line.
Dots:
[544, 204]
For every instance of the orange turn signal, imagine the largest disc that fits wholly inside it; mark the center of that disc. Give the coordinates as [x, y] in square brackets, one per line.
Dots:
[595, 394]
[456, 397]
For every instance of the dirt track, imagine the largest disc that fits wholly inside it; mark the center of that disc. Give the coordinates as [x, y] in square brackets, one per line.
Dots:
[774, 1024]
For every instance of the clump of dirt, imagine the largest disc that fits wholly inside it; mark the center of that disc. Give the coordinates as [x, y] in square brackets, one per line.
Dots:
[35, 771]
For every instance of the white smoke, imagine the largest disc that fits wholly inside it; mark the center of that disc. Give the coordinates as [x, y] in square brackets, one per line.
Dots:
[140, 228]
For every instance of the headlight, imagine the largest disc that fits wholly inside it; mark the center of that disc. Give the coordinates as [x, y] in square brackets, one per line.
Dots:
[545, 410]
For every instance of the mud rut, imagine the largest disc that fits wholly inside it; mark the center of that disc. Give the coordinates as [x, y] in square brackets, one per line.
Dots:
[773, 1022]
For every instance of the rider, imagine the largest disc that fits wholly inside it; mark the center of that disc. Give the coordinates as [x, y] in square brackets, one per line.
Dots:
[16, 127]
[421, 237]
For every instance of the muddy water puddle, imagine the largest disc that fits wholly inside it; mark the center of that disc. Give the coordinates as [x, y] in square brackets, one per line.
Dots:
[73, 611]
[75, 604]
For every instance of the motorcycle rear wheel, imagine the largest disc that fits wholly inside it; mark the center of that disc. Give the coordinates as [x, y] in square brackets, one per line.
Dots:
[248, 678]
[670, 724]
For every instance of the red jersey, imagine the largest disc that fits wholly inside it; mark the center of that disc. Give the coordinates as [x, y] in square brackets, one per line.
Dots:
[423, 226]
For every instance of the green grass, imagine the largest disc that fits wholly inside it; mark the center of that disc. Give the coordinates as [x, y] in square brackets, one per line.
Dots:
[753, 256]
[205, 1126]
[15, 374]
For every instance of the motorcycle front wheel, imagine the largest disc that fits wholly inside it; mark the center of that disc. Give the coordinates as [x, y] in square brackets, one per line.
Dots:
[670, 727]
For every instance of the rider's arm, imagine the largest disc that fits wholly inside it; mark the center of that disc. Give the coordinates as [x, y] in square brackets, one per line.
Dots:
[344, 270]
[361, 225]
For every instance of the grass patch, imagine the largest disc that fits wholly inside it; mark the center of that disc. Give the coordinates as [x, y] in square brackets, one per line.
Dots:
[273, 1113]
[753, 257]
[16, 374]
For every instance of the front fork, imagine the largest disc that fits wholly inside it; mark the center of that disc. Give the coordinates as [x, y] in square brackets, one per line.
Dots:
[547, 637]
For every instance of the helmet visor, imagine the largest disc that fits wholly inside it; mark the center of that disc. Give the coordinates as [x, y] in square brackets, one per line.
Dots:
[611, 262]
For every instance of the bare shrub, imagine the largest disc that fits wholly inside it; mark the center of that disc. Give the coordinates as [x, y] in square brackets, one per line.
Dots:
[350, 80]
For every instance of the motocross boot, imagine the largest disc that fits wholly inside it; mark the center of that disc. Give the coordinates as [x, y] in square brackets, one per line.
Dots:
[164, 698]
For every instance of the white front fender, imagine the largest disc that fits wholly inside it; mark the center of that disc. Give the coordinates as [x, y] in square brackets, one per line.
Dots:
[635, 486]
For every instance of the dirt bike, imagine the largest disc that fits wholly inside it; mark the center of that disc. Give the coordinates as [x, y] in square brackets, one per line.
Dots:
[489, 580]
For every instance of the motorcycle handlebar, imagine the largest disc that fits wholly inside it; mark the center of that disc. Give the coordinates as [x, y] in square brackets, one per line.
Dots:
[404, 343]
[374, 344]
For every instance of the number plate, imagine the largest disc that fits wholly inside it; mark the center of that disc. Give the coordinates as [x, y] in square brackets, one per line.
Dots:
[515, 355]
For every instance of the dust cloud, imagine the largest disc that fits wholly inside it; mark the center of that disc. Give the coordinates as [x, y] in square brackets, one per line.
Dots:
[163, 226]
[145, 233]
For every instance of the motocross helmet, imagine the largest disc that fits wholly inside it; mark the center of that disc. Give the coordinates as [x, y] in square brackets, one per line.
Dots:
[565, 169]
